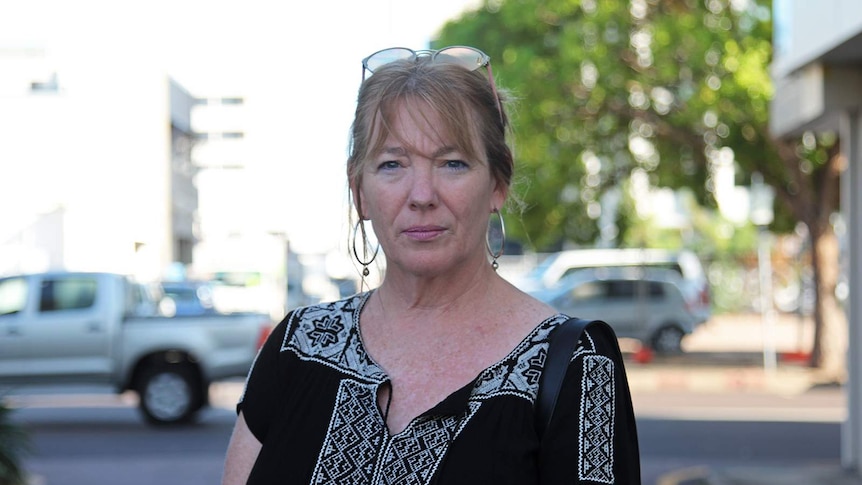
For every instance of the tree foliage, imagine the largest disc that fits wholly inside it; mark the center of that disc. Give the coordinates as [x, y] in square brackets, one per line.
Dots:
[613, 96]
[606, 89]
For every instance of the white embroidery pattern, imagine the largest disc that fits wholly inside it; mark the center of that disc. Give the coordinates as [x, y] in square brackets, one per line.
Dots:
[596, 437]
[412, 457]
[355, 433]
[357, 447]
[327, 334]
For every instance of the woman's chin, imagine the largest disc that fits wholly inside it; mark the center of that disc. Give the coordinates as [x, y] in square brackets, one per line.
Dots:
[429, 267]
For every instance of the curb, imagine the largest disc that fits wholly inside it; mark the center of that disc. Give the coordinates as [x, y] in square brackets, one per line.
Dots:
[712, 379]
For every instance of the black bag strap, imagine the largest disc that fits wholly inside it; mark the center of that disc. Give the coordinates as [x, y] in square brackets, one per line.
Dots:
[561, 346]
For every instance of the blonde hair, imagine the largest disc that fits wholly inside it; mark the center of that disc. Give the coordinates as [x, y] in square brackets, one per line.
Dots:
[466, 104]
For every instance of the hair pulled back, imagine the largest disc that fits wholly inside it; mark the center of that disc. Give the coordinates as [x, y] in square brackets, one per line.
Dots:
[463, 100]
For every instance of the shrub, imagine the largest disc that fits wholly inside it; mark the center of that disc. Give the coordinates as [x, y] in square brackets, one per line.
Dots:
[14, 444]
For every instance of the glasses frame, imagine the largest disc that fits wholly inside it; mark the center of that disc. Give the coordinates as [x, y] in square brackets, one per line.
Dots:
[485, 61]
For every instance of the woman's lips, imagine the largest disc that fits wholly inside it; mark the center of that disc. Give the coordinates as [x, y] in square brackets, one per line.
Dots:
[423, 233]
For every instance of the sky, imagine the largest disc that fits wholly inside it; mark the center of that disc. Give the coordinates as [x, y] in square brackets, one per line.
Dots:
[297, 64]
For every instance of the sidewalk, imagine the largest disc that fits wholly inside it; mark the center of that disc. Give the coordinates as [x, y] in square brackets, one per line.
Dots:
[728, 354]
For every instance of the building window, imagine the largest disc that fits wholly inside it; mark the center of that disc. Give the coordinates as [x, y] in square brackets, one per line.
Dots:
[49, 85]
[184, 250]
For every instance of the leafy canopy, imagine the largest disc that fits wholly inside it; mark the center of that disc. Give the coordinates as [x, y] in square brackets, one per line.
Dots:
[613, 97]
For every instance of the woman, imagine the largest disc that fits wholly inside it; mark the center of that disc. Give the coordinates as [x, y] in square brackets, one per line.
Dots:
[431, 377]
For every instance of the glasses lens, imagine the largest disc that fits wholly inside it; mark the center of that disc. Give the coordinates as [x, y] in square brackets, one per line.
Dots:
[466, 57]
[380, 58]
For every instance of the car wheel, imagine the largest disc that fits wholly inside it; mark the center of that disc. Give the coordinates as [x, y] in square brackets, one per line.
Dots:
[169, 394]
[667, 340]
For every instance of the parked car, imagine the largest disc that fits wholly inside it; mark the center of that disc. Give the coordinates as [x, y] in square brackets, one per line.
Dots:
[185, 298]
[693, 283]
[645, 305]
[97, 329]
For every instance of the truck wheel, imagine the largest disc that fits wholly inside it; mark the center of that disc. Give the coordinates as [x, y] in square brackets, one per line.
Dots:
[667, 340]
[169, 394]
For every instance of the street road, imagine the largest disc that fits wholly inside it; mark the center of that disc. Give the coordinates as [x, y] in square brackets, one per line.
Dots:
[112, 445]
[103, 440]
[748, 433]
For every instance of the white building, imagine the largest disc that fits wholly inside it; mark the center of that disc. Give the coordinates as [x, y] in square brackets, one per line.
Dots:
[119, 168]
[95, 168]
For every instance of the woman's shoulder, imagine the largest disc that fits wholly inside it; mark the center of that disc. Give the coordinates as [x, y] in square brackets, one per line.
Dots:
[328, 333]
[339, 309]
[597, 337]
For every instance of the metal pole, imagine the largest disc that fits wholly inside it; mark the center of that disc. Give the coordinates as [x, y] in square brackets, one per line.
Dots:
[761, 215]
[767, 309]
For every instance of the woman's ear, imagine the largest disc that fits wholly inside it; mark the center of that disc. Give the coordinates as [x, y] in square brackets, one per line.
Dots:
[498, 197]
[357, 202]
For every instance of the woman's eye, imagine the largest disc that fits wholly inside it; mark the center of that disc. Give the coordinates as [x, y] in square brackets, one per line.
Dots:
[456, 164]
[388, 165]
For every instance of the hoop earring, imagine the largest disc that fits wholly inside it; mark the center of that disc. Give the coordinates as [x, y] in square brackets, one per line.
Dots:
[357, 228]
[501, 235]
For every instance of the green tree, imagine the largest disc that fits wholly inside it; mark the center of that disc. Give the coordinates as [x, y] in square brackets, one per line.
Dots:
[612, 92]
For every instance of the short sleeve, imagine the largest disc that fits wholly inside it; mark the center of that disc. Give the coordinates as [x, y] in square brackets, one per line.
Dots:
[592, 438]
[260, 399]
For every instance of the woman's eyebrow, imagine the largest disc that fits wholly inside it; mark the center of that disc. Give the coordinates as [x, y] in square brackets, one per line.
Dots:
[399, 151]
[445, 150]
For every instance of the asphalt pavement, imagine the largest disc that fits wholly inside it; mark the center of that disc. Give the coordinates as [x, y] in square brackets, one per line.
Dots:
[722, 375]
[732, 369]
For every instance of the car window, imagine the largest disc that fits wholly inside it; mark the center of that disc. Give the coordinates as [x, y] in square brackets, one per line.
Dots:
[181, 294]
[67, 293]
[589, 291]
[13, 295]
[139, 300]
[621, 289]
[614, 291]
[655, 290]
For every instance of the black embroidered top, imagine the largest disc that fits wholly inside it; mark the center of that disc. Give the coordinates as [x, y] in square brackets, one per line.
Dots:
[310, 399]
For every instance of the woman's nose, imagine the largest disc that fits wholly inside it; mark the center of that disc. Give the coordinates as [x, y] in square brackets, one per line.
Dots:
[423, 189]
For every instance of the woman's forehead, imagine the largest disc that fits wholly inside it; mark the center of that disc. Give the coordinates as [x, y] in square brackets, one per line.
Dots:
[417, 116]
[428, 138]
[413, 127]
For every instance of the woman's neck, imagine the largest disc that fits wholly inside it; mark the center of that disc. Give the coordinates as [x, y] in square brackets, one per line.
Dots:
[409, 294]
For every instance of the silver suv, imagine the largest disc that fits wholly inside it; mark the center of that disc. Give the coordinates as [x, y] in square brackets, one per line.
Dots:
[641, 304]
[692, 282]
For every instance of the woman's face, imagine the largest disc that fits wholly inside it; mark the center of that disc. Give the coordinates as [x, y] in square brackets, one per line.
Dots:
[429, 206]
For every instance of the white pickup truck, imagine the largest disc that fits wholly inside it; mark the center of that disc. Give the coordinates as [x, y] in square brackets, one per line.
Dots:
[94, 328]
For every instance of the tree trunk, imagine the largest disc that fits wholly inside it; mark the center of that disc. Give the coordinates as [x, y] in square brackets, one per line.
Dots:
[813, 202]
[829, 352]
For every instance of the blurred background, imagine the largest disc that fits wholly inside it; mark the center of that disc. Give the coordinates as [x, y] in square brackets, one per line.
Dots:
[700, 145]
[202, 141]
[199, 140]
[196, 139]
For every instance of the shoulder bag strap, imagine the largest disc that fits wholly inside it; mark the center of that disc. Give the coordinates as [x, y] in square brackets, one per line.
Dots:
[561, 346]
